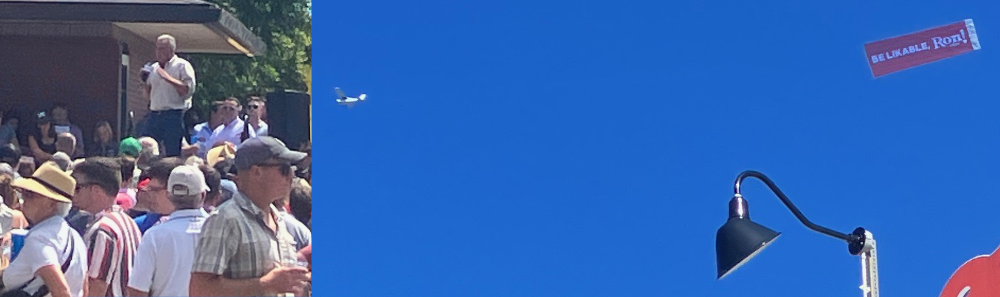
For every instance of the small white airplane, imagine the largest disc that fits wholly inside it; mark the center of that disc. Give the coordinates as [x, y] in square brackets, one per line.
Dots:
[349, 101]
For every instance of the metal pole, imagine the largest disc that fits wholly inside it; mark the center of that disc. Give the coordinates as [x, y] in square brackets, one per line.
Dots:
[869, 269]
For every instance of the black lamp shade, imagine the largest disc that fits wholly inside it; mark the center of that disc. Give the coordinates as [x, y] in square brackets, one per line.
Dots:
[738, 241]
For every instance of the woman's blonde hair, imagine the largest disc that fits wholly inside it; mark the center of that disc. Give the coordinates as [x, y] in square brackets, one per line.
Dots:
[97, 131]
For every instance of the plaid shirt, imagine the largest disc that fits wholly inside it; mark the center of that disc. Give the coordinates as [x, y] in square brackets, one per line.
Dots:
[237, 244]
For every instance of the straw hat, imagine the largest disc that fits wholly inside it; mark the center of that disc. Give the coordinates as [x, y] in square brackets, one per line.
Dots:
[219, 153]
[49, 181]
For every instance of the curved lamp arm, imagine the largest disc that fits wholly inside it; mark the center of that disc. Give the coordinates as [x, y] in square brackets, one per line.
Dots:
[855, 240]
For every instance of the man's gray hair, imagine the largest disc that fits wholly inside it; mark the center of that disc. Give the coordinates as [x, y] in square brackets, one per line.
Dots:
[67, 135]
[147, 142]
[66, 141]
[170, 39]
[187, 201]
[62, 208]
[62, 161]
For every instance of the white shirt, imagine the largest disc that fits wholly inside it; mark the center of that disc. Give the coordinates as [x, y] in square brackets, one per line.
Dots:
[230, 132]
[48, 244]
[298, 230]
[166, 253]
[262, 129]
[201, 135]
[163, 95]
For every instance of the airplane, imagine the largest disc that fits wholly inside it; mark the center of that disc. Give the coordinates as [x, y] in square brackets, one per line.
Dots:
[349, 101]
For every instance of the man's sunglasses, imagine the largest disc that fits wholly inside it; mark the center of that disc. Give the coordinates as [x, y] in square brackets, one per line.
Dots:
[151, 189]
[286, 169]
[80, 186]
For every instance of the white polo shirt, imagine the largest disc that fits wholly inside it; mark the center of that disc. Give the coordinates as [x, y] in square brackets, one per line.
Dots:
[166, 253]
[48, 244]
[230, 132]
[163, 95]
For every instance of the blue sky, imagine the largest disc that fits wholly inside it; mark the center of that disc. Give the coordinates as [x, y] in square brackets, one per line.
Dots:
[523, 148]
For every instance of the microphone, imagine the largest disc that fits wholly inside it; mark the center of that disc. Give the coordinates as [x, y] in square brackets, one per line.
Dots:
[145, 71]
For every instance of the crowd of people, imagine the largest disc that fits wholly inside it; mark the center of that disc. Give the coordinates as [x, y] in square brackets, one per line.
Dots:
[222, 211]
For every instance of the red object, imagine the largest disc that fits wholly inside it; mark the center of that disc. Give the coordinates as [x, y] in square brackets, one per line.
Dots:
[124, 200]
[911, 50]
[979, 277]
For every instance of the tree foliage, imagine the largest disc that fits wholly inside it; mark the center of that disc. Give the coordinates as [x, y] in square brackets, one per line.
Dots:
[285, 26]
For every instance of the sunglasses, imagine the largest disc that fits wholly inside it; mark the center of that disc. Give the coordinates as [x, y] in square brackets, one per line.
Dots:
[286, 169]
[25, 194]
[152, 189]
[81, 186]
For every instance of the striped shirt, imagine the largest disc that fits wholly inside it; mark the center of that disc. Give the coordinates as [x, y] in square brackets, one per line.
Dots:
[237, 244]
[112, 242]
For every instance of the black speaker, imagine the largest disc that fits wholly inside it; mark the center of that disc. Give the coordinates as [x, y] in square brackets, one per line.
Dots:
[288, 117]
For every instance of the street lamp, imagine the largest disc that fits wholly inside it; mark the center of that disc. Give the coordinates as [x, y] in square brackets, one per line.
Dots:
[741, 239]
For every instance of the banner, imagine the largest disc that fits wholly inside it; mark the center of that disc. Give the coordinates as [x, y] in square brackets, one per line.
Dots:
[902, 52]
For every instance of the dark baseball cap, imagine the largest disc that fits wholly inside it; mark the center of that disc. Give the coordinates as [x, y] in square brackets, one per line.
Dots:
[43, 117]
[258, 150]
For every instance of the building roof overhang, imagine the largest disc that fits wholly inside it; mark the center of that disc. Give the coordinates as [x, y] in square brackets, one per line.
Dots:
[199, 26]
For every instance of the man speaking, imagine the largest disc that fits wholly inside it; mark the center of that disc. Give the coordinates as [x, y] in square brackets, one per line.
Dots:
[169, 87]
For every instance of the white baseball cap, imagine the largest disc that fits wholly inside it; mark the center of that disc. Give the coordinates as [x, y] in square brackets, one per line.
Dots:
[186, 180]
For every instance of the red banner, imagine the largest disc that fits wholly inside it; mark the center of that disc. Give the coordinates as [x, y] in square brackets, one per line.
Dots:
[902, 52]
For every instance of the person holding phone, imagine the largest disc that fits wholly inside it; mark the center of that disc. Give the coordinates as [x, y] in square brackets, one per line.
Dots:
[60, 119]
